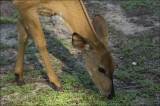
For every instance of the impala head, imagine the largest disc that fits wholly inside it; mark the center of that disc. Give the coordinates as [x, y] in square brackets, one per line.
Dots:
[98, 60]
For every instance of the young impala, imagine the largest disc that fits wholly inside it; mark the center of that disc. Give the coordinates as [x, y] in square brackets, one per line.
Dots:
[89, 38]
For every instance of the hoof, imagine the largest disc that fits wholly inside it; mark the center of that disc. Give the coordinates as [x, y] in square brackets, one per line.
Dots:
[58, 88]
[19, 82]
[55, 87]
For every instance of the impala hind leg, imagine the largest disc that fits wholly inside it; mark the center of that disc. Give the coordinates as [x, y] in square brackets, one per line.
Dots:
[22, 40]
[36, 32]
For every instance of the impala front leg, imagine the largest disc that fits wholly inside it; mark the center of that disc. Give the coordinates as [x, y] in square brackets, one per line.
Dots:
[22, 40]
[35, 30]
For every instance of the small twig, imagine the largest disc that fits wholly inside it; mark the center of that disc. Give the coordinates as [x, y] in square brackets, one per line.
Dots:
[29, 43]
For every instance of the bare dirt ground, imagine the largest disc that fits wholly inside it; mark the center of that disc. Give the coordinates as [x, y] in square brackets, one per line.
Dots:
[115, 16]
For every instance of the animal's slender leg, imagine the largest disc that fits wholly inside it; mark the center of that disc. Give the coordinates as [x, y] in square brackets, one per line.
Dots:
[22, 40]
[35, 30]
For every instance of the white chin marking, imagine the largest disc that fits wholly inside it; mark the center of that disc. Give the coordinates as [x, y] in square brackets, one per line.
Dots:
[100, 92]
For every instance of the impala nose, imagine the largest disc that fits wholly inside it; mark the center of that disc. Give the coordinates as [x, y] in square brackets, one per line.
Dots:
[112, 90]
[112, 94]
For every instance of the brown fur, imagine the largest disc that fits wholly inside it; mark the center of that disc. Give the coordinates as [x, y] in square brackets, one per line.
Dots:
[88, 38]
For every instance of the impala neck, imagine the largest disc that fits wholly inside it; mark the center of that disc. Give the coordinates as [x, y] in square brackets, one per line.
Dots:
[75, 17]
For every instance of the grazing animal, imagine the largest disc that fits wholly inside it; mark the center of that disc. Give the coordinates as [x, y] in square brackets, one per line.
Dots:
[89, 38]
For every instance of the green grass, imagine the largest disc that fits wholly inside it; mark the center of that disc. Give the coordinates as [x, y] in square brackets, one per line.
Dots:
[80, 97]
[27, 69]
[140, 7]
[114, 31]
[4, 46]
[20, 91]
[8, 20]
[11, 35]
[65, 43]
[15, 14]
[137, 21]
[32, 57]
[99, 6]
[10, 60]
[145, 53]
[8, 78]
[103, 8]
[3, 62]
[38, 72]
[15, 47]
[30, 50]
[155, 56]
[70, 82]
[129, 5]
[12, 19]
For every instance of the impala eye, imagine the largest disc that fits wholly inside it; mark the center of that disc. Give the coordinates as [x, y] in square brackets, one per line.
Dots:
[101, 70]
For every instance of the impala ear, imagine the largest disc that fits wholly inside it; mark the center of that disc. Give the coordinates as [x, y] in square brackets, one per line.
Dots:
[80, 43]
[101, 27]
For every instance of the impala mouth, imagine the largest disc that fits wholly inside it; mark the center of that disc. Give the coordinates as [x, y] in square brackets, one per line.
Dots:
[112, 93]
[110, 96]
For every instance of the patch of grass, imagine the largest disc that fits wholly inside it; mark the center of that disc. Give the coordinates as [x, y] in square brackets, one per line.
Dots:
[36, 72]
[157, 71]
[15, 15]
[10, 60]
[27, 69]
[99, 6]
[136, 3]
[149, 88]
[11, 35]
[142, 59]
[7, 69]
[127, 50]
[129, 75]
[4, 46]
[30, 50]
[83, 76]
[20, 91]
[55, 67]
[81, 97]
[114, 31]
[8, 20]
[143, 74]
[28, 88]
[137, 21]
[140, 7]
[15, 47]
[8, 78]
[46, 32]
[155, 56]
[12, 19]
[141, 68]
[65, 43]
[32, 57]
[38, 55]
[70, 81]
[63, 55]
[3, 62]
[11, 90]
[103, 8]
